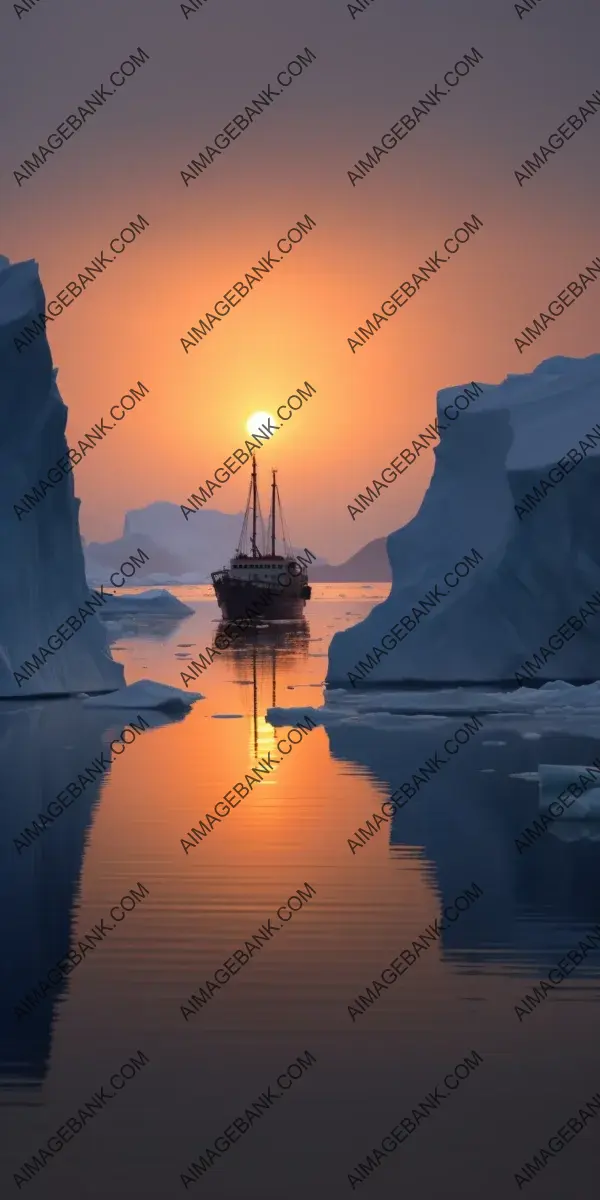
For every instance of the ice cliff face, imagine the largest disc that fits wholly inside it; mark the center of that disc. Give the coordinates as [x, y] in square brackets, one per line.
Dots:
[538, 567]
[42, 578]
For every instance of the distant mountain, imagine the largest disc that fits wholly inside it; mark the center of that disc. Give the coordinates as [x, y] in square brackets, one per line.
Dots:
[368, 565]
[187, 551]
[178, 551]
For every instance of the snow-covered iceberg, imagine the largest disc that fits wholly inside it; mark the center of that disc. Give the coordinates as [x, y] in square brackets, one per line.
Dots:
[537, 567]
[42, 576]
[157, 602]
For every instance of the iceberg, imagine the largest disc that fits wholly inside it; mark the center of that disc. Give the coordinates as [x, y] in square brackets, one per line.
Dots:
[42, 576]
[144, 694]
[555, 706]
[497, 492]
[555, 780]
[576, 831]
[157, 602]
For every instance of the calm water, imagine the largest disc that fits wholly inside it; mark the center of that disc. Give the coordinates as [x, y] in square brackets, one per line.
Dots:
[293, 994]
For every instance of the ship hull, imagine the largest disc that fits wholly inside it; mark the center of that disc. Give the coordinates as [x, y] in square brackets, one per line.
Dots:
[243, 598]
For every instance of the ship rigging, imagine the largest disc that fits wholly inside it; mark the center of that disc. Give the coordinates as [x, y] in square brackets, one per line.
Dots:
[254, 574]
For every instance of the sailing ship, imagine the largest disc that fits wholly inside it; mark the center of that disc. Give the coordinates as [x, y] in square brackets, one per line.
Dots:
[259, 584]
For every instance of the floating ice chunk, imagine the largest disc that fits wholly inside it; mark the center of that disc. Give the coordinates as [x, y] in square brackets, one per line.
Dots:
[157, 601]
[576, 831]
[555, 704]
[556, 778]
[290, 716]
[145, 693]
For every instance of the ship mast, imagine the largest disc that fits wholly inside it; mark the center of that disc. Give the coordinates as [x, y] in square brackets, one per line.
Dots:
[254, 550]
[273, 490]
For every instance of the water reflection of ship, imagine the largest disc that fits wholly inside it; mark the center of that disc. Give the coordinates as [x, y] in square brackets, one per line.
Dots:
[257, 654]
[253, 579]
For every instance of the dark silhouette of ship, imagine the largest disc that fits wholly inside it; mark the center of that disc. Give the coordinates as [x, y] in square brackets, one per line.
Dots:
[256, 584]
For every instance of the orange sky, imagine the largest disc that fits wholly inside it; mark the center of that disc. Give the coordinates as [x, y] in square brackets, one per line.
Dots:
[368, 239]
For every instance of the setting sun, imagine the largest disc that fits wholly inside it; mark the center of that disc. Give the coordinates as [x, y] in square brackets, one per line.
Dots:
[257, 419]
